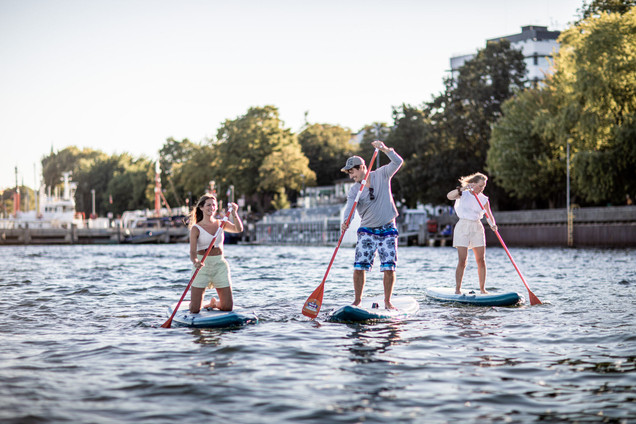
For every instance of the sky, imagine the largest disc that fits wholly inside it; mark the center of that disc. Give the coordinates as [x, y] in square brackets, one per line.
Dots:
[125, 75]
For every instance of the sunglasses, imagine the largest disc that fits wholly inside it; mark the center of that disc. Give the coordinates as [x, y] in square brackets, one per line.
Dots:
[371, 195]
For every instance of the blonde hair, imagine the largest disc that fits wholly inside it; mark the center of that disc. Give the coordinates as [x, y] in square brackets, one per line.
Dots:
[196, 214]
[472, 179]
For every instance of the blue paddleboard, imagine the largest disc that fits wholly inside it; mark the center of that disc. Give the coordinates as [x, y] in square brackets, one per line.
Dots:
[372, 308]
[469, 297]
[209, 318]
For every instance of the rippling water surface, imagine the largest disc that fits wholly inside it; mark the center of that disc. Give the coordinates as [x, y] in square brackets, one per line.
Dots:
[81, 340]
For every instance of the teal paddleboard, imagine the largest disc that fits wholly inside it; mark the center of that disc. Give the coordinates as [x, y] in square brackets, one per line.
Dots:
[470, 297]
[372, 308]
[210, 318]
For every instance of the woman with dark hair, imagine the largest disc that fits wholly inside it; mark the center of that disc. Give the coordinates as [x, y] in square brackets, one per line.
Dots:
[215, 273]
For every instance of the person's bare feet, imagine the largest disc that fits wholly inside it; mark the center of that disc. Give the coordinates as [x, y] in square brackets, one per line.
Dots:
[211, 305]
[389, 305]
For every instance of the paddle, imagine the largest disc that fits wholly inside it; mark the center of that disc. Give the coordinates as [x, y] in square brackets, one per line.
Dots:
[534, 300]
[168, 323]
[314, 302]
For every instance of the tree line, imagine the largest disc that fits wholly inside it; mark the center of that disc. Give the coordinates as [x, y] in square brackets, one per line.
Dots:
[488, 118]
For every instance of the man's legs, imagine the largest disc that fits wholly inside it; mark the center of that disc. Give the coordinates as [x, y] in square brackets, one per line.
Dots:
[389, 282]
[359, 277]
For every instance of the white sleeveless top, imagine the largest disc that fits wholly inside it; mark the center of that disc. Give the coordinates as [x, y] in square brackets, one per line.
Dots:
[467, 207]
[205, 238]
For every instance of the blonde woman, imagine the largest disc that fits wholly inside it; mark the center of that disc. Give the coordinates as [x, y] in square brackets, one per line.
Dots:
[469, 232]
[215, 271]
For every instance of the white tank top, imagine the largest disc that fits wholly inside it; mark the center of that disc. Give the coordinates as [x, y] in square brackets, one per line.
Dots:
[205, 238]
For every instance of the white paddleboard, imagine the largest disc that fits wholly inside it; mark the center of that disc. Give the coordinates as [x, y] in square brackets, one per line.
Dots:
[372, 308]
[210, 318]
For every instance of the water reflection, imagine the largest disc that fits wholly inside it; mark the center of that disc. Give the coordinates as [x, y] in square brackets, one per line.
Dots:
[369, 341]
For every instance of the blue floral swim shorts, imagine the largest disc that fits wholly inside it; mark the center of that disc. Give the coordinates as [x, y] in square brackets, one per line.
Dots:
[381, 239]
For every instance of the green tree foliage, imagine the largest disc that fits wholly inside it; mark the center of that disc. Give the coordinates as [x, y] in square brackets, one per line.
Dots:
[121, 177]
[595, 7]
[376, 131]
[65, 160]
[450, 136]
[526, 160]
[327, 147]
[595, 76]
[174, 156]
[192, 176]
[129, 188]
[27, 200]
[251, 146]
[416, 139]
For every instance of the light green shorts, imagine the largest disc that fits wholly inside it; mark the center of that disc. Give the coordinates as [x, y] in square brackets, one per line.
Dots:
[214, 274]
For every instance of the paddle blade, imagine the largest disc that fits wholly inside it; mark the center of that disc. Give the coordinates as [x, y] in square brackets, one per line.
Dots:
[533, 299]
[314, 302]
[167, 324]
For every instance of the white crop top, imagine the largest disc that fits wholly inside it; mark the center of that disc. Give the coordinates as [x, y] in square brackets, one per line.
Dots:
[205, 238]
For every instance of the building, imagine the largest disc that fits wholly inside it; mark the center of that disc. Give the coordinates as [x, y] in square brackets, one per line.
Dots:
[537, 44]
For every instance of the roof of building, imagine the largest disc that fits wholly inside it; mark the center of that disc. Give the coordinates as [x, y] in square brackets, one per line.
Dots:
[530, 32]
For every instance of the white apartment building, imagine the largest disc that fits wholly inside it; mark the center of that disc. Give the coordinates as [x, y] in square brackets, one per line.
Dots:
[535, 42]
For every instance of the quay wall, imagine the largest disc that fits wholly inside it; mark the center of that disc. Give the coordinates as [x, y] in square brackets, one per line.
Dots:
[612, 226]
[607, 227]
[74, 235]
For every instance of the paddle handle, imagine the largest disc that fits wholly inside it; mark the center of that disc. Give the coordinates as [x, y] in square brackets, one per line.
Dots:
[168, 323]
[314, 302]
[533, 299]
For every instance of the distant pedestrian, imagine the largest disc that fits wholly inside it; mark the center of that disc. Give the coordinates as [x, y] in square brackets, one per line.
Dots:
[469, 232]
[628, 200]
[377, 230]
[215, 271]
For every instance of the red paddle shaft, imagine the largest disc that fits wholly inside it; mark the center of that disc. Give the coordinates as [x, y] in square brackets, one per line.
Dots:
[534, 300]
[168, 323]
[314, 302]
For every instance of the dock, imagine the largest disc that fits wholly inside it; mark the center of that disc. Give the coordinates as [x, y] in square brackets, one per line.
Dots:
[74, 235]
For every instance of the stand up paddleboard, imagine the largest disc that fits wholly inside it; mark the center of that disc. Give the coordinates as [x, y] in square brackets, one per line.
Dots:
[372, 308]
[469, 297]
[209, 318]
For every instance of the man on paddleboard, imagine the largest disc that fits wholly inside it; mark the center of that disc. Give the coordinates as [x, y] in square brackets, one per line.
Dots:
[377, 230]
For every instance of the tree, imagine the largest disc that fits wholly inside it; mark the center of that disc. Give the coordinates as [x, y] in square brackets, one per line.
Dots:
[194, 171]
[596, 82]
[596, 7]
[65, 160]
[412, 138]
[449, 137]
[327, 147]
[253, 140]
[95, 174]
[129, 189]
[526, 160]
[173, 156]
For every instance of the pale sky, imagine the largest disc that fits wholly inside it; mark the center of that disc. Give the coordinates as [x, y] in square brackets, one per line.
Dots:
[125, 75]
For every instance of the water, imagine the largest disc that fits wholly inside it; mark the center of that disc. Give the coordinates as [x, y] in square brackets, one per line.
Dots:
[81, 340]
